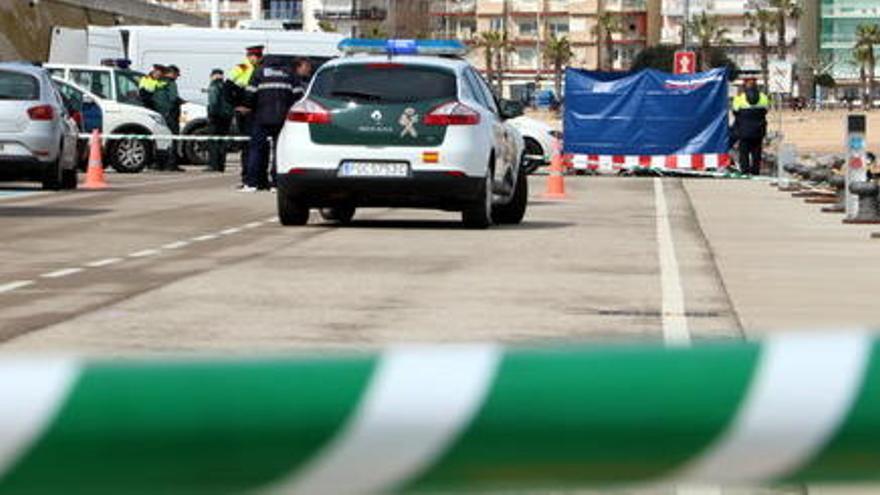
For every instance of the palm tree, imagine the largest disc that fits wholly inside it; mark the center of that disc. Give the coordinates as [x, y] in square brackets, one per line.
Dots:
[494, 45]
[375, 32]
[558, 53]
[709, 33]
[607, 25]
[762, 22]
[784, 9]
[861, 56]
[867, 36]
[326, 26]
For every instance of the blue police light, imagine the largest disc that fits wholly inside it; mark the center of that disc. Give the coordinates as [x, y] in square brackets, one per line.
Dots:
[391, 47]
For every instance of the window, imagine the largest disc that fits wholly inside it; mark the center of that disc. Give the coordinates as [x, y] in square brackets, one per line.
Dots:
[127, 87]
[496, 24]
[488, 97]
[559, 27]
[97, 82]
[385, 83]
[71, 94]
[527, 57]
[528, 28]
[18, 86]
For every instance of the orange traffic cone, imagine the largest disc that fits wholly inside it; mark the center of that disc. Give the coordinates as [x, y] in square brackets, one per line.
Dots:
[556, 180]
[95, 172]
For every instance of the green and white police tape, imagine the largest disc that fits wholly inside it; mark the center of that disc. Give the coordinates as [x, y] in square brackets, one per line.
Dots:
[793, 408]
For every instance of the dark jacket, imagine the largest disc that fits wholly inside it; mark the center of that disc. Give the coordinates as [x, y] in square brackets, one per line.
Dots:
[219, 106]
[750, 115]
[271, 93]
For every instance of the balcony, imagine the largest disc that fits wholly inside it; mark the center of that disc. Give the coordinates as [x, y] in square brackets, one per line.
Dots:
[372, 14]
[453, 7]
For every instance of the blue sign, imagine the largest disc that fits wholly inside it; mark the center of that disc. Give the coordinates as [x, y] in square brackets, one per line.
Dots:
[646, 113]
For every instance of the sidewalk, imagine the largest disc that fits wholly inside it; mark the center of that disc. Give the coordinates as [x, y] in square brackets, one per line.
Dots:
[785, 264]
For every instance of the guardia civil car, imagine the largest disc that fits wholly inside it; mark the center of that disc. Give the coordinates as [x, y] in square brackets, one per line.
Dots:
[415, 126]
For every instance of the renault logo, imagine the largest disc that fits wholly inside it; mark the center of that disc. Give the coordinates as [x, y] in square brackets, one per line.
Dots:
[377, 116]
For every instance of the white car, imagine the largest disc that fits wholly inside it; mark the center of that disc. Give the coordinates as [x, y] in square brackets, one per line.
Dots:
[116, 92]
[539, 140]
[403, 131]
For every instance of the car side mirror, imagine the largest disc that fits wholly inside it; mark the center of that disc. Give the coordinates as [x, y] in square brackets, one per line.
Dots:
[510, 109]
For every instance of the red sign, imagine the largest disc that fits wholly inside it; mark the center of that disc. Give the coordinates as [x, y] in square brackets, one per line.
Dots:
[685, 62]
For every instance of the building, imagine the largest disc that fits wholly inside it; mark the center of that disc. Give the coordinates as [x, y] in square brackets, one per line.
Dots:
[529, 25]
[838, 22]
[744, 48]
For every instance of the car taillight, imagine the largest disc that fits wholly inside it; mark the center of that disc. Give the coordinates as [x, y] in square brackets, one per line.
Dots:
[309, 112]
[452, 113]
[42, 112]
[78, 118]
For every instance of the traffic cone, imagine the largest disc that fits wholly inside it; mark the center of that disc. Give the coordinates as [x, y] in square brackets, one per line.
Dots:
[95, 172]
[556, 179]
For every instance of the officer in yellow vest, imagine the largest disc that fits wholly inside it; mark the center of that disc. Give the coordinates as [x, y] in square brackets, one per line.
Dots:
[148, 85]
[750, 126]
[236, 92]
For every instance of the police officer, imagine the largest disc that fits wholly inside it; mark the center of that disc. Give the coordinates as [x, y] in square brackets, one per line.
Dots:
[750, 126]
[220, 114]
[168, 102]
[148, 85]
[235, 87]
[274, 88]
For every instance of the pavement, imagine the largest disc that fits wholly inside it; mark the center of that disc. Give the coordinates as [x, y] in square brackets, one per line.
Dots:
[182, 263]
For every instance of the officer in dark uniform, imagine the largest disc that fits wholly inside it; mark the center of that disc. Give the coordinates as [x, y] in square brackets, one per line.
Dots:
[274, 88]
[168, 102]
[220, 114]
[750, 126]
[236, 92]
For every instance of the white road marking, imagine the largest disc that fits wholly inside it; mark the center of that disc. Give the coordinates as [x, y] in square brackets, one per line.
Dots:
[18, 284]
[252, 225]
[104, 262]
[144, 253]
[772, 436]
[271, 219]
[62, 273]
[231, 231]
[32, 391]
[418, 402]
[175, 245]
[206, 237]
[675, 327]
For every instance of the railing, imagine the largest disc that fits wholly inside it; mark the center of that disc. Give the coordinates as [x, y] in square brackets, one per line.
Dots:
[371, 14]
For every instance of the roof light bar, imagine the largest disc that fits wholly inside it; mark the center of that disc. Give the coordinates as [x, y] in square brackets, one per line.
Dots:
[390, 47]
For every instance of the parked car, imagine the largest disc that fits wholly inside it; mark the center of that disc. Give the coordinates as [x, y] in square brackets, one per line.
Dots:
[125, 155]
[539, 138]
[38, 136]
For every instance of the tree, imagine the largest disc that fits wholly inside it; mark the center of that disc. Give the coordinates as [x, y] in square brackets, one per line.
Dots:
[762, 22]
[375, 32]
[708, 32]
[607, 25]
[327, 26]
[784, 9]
[867, 36]
[494, 45]
[558, 53]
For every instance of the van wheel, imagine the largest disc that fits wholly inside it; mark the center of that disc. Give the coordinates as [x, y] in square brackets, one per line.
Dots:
[68, 179]
[479, 214]
[291, 211]
[339, 214]
[129, 156]
[513, 212]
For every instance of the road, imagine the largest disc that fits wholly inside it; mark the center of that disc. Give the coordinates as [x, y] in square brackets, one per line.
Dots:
[183, 263]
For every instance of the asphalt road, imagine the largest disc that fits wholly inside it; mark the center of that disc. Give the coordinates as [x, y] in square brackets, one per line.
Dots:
[166, 262]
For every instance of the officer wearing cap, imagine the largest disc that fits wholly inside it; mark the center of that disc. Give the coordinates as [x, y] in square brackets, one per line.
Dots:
[236, 84]
[148, 85]
[168, 102]
[220, 114]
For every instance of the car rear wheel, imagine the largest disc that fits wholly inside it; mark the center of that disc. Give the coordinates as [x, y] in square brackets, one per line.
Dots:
[129, 156]
[339, 214]
[291, 211]
[68, 179]
[513, 212]
[52, 176]
[479, 214]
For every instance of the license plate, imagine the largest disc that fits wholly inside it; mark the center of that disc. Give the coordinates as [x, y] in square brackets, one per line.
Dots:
[374, 169]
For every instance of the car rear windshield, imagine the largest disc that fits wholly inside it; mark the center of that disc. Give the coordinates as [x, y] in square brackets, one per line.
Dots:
[385, 83]
[18, 86]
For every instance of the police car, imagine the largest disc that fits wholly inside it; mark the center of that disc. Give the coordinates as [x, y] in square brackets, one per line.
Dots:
[401, 123]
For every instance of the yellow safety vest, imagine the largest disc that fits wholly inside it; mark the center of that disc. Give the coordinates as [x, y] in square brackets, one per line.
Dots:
[241, 74]
[148, 83]
[741, 102]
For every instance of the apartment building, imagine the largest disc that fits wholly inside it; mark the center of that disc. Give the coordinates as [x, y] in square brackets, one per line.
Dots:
[529, 25]
[744, 48]
[838, 23]
[281, 12]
